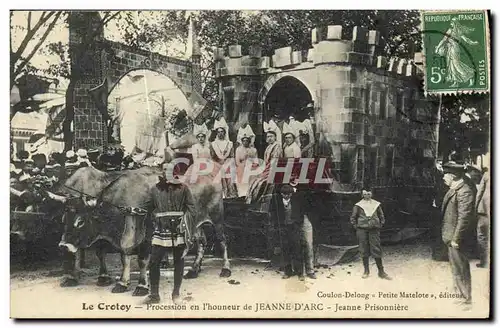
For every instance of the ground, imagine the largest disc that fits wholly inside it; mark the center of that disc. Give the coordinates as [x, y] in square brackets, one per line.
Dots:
[36, 293]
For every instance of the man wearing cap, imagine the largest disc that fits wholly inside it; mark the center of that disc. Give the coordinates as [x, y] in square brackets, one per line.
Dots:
[28, 167]
[288, 208]
[483, 220]
[169, 195]
[458, 222]
[368, 218]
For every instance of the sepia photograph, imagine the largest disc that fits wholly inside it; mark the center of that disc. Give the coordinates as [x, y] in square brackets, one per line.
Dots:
[285, 164]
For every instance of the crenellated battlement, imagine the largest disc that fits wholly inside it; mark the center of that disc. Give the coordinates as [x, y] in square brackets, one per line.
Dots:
[329, 47]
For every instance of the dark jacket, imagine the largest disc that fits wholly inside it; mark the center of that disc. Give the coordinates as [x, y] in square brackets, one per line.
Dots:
[483, 196]
[458, 214]
[300, 201]
[359, 219]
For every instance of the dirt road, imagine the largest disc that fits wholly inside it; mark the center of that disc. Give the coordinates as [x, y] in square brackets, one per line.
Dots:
[420, 287]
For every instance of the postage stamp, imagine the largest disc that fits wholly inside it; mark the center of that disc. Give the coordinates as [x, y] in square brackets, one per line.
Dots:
[189, 164]
[456, 50]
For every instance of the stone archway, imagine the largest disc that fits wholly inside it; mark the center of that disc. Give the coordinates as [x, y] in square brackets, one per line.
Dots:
[287, 96]
[276, 79]
[139, 103]
[101, 65]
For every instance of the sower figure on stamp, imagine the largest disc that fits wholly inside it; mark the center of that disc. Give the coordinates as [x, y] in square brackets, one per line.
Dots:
[458, 223]
[169, 195]
[367, 217]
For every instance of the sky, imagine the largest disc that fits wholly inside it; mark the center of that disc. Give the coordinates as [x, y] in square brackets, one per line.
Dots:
[42, 59]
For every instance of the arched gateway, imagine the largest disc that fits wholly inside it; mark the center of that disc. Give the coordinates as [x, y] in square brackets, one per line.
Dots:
[102, 63]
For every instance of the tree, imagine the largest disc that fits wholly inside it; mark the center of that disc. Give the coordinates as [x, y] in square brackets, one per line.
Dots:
[32, 31]
[465, 125]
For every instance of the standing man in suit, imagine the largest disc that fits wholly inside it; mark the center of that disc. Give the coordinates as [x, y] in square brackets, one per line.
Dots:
[483, 220]
[458, 224]
[288, 208]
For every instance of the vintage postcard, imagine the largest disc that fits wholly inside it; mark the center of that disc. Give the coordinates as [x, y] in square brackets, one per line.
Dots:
[238, 164]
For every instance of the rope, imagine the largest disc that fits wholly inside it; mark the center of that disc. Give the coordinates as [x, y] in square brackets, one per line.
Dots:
[132, 210]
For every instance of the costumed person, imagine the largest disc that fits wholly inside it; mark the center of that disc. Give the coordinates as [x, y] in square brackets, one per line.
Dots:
[245, 151]
[290, 148]
[368, 218]
[221, 149]
[261, 191]
[202, 148]
[458, 224]
[169, 198]
[483, 220]
[260, 187]
[306, 138]
[273, 139]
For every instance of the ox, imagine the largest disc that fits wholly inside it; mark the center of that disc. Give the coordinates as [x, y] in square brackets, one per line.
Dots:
[207, 193]
[87, 222]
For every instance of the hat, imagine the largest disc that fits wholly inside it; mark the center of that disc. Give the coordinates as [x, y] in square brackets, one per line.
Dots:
[24, 177]
[70, 154]
[200, 129]
[246, 132]
[454, 168]
[81, 153]
[273, 128]
[286, 189]
[220, 124]
[287, 129]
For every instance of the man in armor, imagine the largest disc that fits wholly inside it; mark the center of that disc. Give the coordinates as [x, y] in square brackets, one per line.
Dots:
[167, 196]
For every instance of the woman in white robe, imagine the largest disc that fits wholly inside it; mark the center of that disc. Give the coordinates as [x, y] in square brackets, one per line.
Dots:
[244, 152]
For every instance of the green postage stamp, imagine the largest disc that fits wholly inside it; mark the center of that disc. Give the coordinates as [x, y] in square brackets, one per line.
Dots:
[456, 50]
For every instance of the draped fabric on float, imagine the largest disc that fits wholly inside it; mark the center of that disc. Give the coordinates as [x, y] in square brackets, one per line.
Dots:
[261, 189]
[150, 136]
